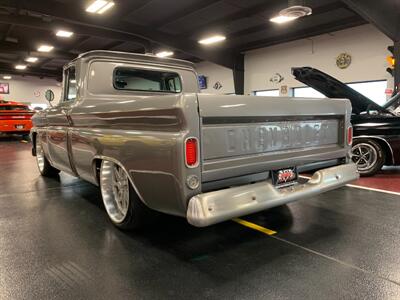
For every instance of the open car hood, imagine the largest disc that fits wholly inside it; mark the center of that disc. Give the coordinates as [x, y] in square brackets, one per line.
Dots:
[333, 88]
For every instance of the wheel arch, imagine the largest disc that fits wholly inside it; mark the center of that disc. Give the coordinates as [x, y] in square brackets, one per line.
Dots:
[96, 165]
[389, 156]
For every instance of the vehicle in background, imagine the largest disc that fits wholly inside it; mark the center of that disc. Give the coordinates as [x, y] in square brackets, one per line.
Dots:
[376, 128]
[15, 118]
[138, 127]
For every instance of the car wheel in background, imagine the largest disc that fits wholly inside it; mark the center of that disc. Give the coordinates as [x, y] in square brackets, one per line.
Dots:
[368, 155]
[43, 164]
[121, 202]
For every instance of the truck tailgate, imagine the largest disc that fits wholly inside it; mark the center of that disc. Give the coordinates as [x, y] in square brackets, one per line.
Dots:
[246, 134]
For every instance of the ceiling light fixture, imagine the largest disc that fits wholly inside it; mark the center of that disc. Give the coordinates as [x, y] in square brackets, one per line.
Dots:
[212, 40]
[164, 53]
[107, 7]
[64, 33]
[31, 59]
[20, 67]
[282, 19]
[99, 6]
[45, 48]
[7, 77]
[292, 13]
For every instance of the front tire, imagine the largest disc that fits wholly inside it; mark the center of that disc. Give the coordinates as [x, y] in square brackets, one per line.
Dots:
[368, 155]
[123, 206]
[44, 166]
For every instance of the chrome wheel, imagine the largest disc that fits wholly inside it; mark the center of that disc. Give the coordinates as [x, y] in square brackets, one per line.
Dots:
[114, 184]
[365, 156]
[40, 156]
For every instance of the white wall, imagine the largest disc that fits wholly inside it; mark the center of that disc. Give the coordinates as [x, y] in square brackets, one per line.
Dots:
[366, 45]
[30, 89]
[216, 73]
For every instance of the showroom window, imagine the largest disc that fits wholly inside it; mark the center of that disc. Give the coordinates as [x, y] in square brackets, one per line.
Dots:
[272, 93]
[375, 90]
[307, 92]
[146, 80]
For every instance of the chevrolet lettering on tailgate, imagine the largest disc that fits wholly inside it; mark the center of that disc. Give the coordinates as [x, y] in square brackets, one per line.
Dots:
[270, 136]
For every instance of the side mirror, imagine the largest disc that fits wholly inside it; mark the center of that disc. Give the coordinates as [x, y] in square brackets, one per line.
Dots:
[49, 95]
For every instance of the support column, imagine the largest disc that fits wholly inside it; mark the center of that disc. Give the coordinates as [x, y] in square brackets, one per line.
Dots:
[396, 75]
[238, 74]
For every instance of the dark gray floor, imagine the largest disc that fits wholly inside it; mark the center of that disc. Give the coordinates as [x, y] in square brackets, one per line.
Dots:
[57, 243]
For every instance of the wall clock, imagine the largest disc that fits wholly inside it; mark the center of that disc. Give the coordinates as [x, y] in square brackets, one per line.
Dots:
[343, 60]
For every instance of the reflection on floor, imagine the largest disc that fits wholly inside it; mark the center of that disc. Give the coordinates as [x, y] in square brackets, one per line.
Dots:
[387, 179]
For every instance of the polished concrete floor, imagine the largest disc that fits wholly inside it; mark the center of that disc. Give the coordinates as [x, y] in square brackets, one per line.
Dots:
[57, 243]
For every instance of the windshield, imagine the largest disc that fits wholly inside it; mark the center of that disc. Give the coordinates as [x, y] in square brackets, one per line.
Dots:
[393, 105]
[14, 107]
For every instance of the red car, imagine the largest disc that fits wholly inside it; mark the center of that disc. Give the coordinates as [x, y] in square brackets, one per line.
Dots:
[15, 118]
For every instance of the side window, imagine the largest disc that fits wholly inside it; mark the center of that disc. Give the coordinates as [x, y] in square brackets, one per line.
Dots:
[70, 84]
[146, 80]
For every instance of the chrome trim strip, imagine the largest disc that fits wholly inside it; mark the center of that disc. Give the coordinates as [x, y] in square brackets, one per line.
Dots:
[379, 138]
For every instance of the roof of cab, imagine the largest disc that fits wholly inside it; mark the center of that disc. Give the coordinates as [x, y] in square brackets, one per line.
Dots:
[136, 57]
[8, 103]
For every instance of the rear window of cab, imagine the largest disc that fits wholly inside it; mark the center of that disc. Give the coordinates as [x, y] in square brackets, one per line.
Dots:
[132, 79]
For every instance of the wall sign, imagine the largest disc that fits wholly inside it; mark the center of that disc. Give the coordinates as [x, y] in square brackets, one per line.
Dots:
[284, 90]
[389, 92]
[4, 88]
[202, 82]
[343, 60]
[217, 86]
[276, 78]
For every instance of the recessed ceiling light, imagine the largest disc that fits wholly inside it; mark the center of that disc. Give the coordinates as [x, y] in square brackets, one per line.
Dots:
[107, 7]
[282, 19]
[164, 53]
[20, 67]
[64, 33]
[212, 39]
[99, 6]
[31, 59]
[7, 77]
[45, 48]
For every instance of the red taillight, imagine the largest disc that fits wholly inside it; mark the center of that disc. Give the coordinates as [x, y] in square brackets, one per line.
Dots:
[349, 135]
[191, 152]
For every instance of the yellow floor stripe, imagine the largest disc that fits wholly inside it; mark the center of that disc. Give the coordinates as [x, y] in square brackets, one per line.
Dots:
[254, 226]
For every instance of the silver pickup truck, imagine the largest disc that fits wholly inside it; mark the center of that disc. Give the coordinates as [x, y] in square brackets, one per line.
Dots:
[137, 126]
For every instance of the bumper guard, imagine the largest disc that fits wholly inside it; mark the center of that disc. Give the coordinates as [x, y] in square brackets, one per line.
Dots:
[217, 206]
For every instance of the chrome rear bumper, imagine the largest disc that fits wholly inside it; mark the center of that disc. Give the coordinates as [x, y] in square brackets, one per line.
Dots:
[217, 206]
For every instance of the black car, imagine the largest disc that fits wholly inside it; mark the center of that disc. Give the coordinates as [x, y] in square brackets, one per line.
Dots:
[376, 128]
